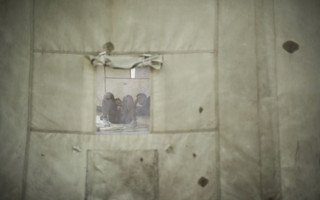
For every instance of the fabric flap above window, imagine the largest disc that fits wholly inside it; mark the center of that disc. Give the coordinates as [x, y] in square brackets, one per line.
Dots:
[126, 62]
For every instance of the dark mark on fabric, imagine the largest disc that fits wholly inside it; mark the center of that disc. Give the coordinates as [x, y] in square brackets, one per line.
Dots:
[297, 154]
[290, 46]
[200, 110]
[141, 159]
[194, 155]
[169, 149]
[203, 181]
[108, 47]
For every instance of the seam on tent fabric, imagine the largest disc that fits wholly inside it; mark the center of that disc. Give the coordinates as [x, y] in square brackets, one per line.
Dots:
[127, 78]
[259, 47]
[151, 79]
[111, 20]
[86, 180]
[125, 53]
[256, 55]
[105, 81]
[213, 133]
[65, 52]
[62, 131]
[166, 52]
[157, 186]
[94, 93]
[30, 89]
[184, 131]
[217, 111]
[90, 133]
[278, 139]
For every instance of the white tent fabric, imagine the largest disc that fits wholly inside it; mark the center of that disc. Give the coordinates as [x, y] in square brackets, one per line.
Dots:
[126, 62]
[234, 116]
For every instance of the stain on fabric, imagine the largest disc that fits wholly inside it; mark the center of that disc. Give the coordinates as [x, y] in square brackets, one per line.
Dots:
[200, 110]
[110, 169]
[297, 154]
[290, 46]
[203, 181]
[109, 47]
[42, 155]
[194, 155]
[169, 149]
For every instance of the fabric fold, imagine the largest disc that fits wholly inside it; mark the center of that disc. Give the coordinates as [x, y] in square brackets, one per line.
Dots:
[126, 62]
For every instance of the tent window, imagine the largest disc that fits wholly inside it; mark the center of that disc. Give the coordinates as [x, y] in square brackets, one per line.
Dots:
[122, 100]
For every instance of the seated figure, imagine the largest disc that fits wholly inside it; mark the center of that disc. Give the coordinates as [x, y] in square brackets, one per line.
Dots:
[128, 114]
[117, 112]
[109, 110]
[142, 105]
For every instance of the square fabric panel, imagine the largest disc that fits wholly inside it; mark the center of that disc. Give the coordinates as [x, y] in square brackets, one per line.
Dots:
[71, 25]
[183, 93]
[187, 166]
[180, 25]
[122, 175]
[82, 26]
[63, 93]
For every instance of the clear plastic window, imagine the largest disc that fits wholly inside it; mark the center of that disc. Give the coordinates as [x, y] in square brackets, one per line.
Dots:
[122, 100]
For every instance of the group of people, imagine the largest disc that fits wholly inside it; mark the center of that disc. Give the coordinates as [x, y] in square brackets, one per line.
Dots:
[124, 112]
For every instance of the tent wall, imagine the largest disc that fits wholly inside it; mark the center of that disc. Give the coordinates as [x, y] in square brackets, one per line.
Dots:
[238, 103]
[234, 115]
[299, 98]
[14, 78]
